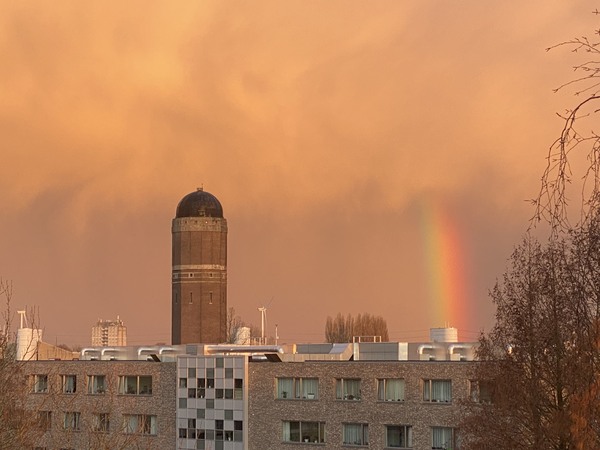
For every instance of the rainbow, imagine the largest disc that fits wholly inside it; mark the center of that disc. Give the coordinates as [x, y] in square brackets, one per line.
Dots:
[445, 267]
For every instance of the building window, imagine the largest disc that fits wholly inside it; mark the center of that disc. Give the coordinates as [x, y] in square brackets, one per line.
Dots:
[298, 388]
[356, 434]
[100, 422]
[238, 392]
[347, 389]
[45, 420]
[69, 384]
[437, 391]
[139, 424]
[96, 384]
[190, 431]
[390, 389]
[309, 432]
[481, 391]
[442, 438]
[398, 436]
[40, 383]
[72, 421]
[135, 385]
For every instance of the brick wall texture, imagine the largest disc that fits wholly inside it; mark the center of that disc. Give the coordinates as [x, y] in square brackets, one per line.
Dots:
[161, 403]
[266, 412]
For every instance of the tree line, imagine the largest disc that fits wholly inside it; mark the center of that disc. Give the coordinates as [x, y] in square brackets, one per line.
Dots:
[344, 328]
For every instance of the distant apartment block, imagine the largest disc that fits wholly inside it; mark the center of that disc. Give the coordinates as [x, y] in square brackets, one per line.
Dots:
[109, 333]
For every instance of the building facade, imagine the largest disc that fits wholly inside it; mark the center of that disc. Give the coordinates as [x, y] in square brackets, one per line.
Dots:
[199, 275]
[219, 397]
[109, 333]
[212, 402]
[102, 404]
[370, 404]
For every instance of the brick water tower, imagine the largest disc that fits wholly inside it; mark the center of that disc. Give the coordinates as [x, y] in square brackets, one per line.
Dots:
[199, 279]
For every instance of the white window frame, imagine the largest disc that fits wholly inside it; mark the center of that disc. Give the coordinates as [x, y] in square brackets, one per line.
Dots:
[292, 432]
[348, 389]
[391, 389]
[437, 391]
[294, 388]
[135, 385]
[40, 384]
[96, 384]
[68, 384]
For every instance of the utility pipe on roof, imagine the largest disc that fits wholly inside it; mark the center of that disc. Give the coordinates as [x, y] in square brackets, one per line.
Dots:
[166, 349]
[455, 346]
[145, 349]
[223, 348]
[425, 347]
[108, 349]
[83, 351]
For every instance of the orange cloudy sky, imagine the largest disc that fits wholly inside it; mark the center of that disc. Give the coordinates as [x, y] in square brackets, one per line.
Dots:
[370, 156]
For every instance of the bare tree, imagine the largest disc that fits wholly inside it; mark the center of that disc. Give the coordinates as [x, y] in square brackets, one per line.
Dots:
[542, 357]
[578, 140]
[344, 329]
[18, 426]
[234, 325]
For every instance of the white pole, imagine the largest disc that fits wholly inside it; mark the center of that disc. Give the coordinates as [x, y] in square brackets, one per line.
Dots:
[262, 310]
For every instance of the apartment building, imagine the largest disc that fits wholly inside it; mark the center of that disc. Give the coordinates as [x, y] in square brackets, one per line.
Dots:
[103, 404]
[109, 333]
[236, 397]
